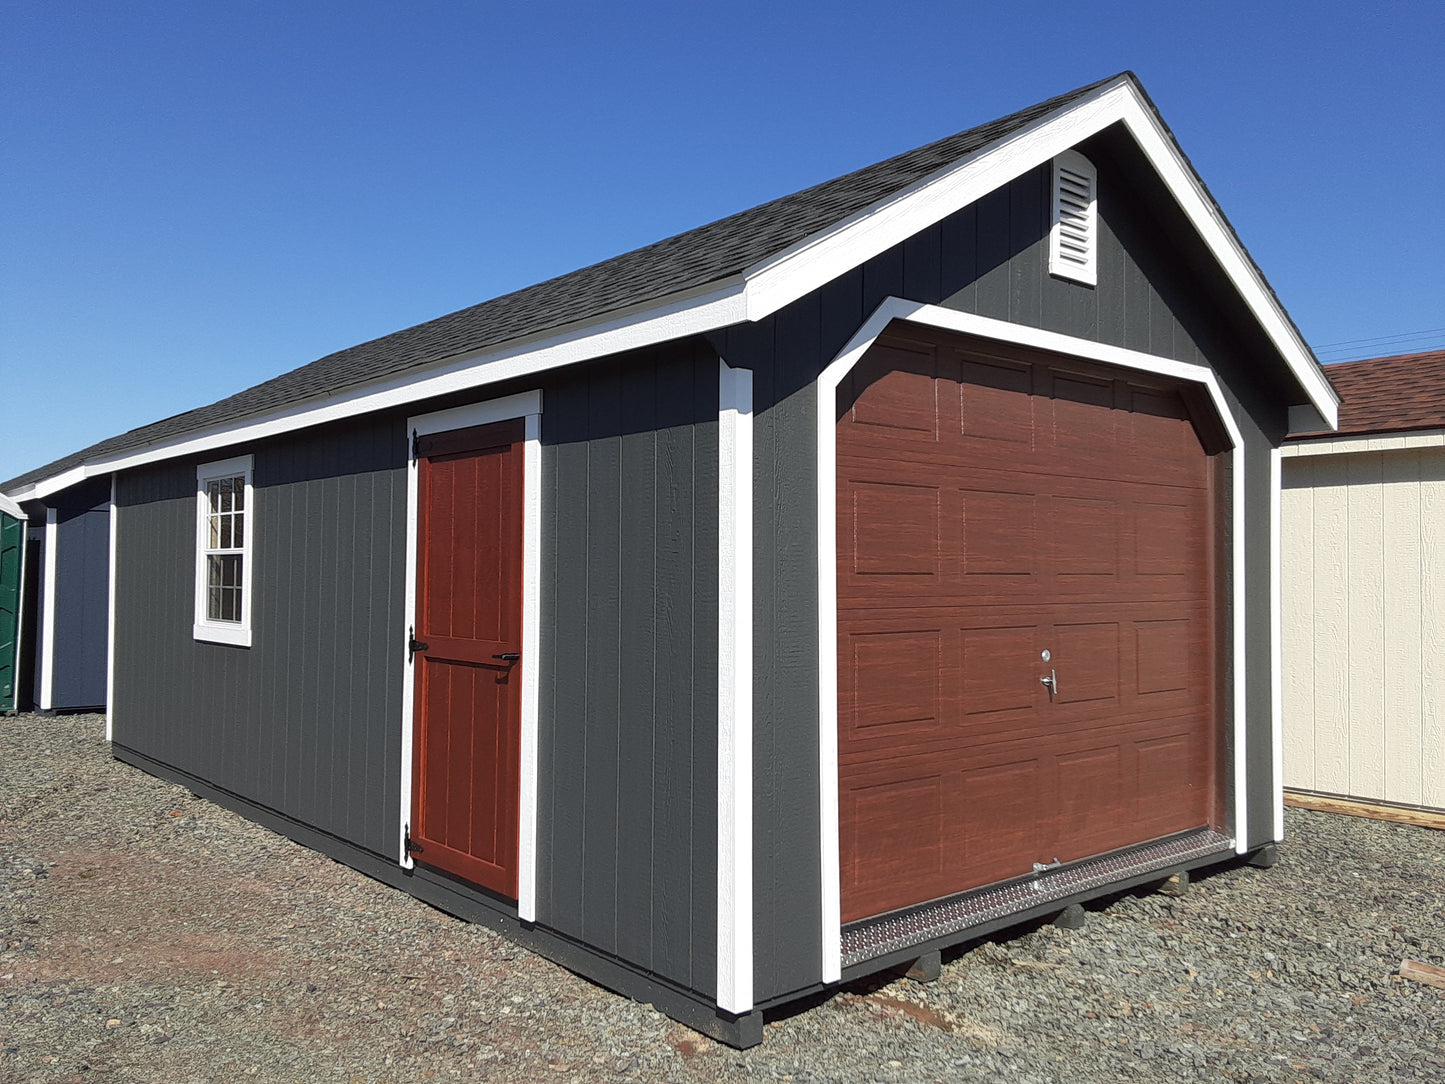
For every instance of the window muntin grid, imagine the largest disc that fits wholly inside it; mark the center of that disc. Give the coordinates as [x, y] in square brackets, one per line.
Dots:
[226, 547]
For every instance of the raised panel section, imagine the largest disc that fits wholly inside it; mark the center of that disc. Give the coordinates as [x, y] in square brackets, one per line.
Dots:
[882, 829]
[1161, 651]
[1000, 669]
[1000, 533]
[1090, 786]
[1086, 660]
[1086, 538]
[994, 403]
[895, 530]
[904, 399]
[895, 682]
[999, 807]
[1162, 540]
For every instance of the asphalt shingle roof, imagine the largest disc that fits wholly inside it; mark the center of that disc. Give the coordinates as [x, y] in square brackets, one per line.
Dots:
[1388, 395]
[705, 255]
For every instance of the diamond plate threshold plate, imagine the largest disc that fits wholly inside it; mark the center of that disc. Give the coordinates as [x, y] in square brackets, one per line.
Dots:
[870, 938]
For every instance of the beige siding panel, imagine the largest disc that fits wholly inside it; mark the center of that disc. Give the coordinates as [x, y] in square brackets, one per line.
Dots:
[1363, 623]
[1332, 627]
[1297, 629]
[1365, 591]
[1432, 608]
[1402, 724]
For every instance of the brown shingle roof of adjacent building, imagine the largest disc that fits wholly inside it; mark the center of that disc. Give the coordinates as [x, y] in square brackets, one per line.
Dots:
[1388, 395]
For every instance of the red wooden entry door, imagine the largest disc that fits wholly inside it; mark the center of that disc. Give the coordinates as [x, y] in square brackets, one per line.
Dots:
[468, 639]
[992, 509]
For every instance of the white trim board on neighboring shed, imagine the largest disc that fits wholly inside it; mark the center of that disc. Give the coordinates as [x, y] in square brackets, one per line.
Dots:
[1363, 617]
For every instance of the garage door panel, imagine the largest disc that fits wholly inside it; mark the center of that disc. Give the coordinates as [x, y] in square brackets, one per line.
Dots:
[893, 834]
[1000, 539]
[1085, 662]
[995, 407]
[997, 819]
[1070, 514]
[895, 685]
[1084, 535]
[1000, 670]
[1172, 790]
[1092, 793]
[895, 530]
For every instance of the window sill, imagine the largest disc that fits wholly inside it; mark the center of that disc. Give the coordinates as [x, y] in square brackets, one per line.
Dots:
[235, 635]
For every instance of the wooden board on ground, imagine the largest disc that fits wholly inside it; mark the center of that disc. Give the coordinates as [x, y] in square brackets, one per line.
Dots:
[1424, 818]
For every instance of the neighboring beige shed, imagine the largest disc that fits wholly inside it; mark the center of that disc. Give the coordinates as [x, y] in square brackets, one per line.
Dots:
[1363, 585]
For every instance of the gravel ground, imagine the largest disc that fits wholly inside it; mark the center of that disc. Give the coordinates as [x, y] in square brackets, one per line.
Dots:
[148, 935]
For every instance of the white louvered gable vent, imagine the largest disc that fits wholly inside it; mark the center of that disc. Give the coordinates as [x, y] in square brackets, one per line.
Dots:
[1074, 236]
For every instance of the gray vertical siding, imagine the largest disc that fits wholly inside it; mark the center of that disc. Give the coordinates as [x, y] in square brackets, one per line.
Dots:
[990, 259]
[628, 737]
[82, 595]
[305, 721]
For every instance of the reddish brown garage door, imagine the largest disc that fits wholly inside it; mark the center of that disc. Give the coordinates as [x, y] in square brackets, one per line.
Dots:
[992, 507]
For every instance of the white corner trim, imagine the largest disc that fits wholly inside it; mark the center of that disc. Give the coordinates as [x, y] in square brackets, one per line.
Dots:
[1276, 640]
[47, 612]
[531, 674]
[528, 406]
[13, 510]
[735, 691]
[110, 618]
[892, 309]
[204, 628]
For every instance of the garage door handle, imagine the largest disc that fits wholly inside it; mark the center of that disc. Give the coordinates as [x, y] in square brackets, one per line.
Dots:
[510, 656]
[1051, 683]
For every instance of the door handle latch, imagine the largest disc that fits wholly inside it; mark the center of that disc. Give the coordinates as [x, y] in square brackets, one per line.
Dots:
[1051, 683]
[510, 656]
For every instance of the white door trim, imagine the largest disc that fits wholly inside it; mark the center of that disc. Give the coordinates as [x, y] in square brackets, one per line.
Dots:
[528, 406]
[892, 309]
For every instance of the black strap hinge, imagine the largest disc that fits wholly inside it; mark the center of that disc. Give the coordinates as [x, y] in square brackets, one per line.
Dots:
[413, 645]
[415, 446]
[412, 846]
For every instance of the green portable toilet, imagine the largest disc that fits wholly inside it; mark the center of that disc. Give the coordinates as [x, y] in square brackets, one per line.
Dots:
[12, 576]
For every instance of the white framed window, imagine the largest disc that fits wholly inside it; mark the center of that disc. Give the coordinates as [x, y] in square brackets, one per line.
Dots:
[1074, 235]
[225, 529]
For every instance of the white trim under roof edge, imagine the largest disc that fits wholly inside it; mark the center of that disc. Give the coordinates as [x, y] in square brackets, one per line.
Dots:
[900, 309]
[769, 285]
[12, 508]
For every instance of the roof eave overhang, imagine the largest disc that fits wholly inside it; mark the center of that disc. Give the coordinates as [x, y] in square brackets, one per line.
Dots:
[796, 271]
[10, 508]
[771, 284]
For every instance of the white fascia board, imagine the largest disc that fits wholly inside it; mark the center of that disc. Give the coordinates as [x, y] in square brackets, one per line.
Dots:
[804, 267]
[692, 313]
[894, 308]
[10, 508]
[769, 285]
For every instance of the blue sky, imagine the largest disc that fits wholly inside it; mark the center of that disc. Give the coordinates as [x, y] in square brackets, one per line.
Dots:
[195, 197]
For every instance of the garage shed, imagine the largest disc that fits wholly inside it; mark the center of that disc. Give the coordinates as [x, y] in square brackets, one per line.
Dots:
[1364, 589]
[768, 606]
